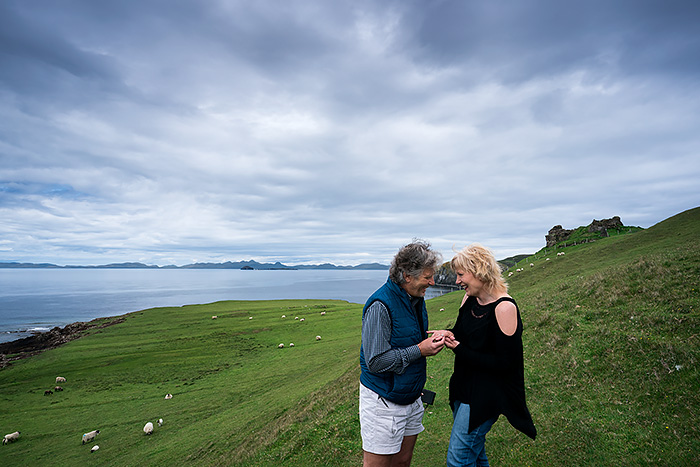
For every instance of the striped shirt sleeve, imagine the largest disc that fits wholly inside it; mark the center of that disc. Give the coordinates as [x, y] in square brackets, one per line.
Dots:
[376, 335]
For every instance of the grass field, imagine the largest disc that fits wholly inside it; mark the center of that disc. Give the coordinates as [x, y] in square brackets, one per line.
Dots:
[612, 344]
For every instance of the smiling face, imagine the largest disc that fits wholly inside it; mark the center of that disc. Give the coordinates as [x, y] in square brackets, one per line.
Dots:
[416, 286]
[468, 282]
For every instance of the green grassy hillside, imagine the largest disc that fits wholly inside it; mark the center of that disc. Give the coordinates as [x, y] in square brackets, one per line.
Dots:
[612, 344]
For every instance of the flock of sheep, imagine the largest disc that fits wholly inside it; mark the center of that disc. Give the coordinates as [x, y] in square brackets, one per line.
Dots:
[89, 436]
[281, 345]
[147, 429]
[532, 265]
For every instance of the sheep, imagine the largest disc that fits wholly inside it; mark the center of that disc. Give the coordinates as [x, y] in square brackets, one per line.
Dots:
[58, 388]
[89, 436]
[160, 422]
[94, 448]
[281, 346]
[168, 396]
[292, 344]
[532, 265]
[510, 273]
[284, 316]
[323, 313]
[60, 379]
[442, 309]
[318, 338]
[214, 317]
[302, 319]
[11, 437]
[296, 317]
[48, 392]
[148, 428]
[250, 317]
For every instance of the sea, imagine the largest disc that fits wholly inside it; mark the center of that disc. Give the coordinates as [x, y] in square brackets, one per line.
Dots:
[37, 300]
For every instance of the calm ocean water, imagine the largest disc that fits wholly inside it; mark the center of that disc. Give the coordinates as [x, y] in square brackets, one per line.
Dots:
[36, 300]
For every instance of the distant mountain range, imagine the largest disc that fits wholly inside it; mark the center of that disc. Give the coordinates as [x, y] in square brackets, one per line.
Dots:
[246, 265]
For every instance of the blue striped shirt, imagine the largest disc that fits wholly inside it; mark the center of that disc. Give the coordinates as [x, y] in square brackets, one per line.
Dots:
[376, 335]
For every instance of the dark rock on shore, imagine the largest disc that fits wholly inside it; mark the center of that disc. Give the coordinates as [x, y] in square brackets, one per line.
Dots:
[32, 345]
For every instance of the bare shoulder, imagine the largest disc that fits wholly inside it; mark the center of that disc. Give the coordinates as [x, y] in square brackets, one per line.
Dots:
[507, 317]
[464, 299]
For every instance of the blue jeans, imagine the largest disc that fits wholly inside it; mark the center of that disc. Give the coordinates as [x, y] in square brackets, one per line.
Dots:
[467, 449]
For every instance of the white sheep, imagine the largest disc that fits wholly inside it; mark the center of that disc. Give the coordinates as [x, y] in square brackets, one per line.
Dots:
[281, 346]
[214, 317]
[292, 344]
[323, 313]
[532, 265]
[148, 428]
[94, 448]
[318, 338]
[250, 317]
[60, 379]
[510, 273]
[87, 437]
[11, 437]
[284, 316]
[168, 396]
[160, 422]
[296, 317]
[302, 319]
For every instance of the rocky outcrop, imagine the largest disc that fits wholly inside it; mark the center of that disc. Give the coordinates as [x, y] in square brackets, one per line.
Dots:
[557, 234]
[602, 226]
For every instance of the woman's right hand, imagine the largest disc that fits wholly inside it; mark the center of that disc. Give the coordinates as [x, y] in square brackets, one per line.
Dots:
[451, 342]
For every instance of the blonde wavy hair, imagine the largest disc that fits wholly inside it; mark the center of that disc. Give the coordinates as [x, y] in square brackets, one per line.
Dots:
[481, 263]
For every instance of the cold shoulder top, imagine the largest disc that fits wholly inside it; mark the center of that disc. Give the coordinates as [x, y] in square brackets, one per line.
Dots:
[488, 370]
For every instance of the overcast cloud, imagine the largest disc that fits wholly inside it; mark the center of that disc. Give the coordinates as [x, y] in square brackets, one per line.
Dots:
[177, 131]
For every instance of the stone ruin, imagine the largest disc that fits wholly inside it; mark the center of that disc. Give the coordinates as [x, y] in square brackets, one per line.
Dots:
[558, 233]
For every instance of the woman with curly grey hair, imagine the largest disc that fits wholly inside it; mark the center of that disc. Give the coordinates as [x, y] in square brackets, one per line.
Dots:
[488, 377]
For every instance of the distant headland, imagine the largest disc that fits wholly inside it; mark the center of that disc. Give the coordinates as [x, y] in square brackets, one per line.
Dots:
[245, 265]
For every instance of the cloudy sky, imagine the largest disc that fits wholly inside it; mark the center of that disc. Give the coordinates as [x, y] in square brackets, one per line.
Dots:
[302, 131]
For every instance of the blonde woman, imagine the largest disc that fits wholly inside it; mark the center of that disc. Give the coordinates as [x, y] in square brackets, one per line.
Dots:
[488, 372]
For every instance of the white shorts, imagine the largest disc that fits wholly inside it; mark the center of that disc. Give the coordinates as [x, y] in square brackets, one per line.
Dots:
[384, 424]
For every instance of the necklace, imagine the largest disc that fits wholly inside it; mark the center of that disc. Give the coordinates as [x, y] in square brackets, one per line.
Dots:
[479, 316]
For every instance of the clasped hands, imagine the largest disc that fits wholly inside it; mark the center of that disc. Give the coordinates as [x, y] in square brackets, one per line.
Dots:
[439, 339]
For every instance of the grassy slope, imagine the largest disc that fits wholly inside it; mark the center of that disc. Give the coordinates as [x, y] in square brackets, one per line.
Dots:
[611, 351]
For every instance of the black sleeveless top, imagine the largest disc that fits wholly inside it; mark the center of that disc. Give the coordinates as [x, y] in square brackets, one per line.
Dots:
[488, 371]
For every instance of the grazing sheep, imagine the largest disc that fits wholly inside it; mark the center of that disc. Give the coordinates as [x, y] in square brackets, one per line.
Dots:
[58, 388]
[547, 259]
[323, 313]
[87, 437]
[532, 265]
[148, 428]
[250, 317]
[296, 317]
[318, 338]
[284, 316]
[60, 379]
[168, 396]
[160, 422]
[11, 437]
[302, 319]
[94, 448]
[442, 309]
[214, 317]
[510, 273]
[281, 346]
[292, 344]
[48, 392]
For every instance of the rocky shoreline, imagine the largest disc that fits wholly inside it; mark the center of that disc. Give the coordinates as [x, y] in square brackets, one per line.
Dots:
[33, 345]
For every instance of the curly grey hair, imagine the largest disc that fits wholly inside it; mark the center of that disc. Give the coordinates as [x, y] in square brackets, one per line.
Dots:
[412, 260]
